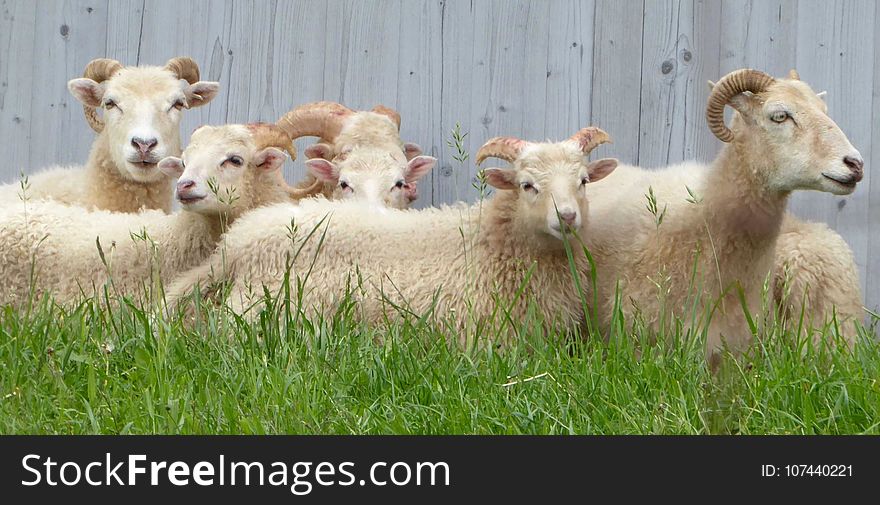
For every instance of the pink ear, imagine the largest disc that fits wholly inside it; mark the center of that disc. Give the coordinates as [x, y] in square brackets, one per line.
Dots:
[323, 169]
[86, 91]
[411, 150]
[418, 167]
[500, 178]
[269, 158]
[410, 192]
[319, 150]
[171, 166]
[601, 168]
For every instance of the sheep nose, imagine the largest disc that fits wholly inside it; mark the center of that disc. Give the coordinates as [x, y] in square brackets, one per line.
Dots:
[143, 145]
[185, 186]
[568, 217]
[856, 165]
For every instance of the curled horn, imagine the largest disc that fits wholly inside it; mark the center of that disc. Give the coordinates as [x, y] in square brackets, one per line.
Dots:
[270, 135]
[98, 70]
[317, 119]
[311, 187]
[503, 148]
[590, 138]
[392, 114]
[184, 68]
[729, 86]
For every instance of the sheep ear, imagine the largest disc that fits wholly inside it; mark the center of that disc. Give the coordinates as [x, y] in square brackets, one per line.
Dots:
[500, 178]
[599, 169]
[323, 169]
[411, 150]
[269, 158]
[418, 167]
[319, 150]
[711, 85]
[745, 103]
[86, 91]
[171, 166]
[411, 192]
[200, 93]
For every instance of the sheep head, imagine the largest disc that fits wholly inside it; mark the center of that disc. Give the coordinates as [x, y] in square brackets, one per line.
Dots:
[548, 179]
[784, 125]
[360, 152]
[141, 110]
[381, 177]
[231, 169]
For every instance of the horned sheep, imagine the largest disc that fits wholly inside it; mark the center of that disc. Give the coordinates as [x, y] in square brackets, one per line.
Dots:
[359, 153]
[491, 259]
[140, 126]
[51, 248]
[714, 229]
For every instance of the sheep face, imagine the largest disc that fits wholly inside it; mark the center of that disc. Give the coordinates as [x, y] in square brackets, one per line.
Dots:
[142, 111]
[219, 167]
[550, 180]
[380, 177]
[789, 126]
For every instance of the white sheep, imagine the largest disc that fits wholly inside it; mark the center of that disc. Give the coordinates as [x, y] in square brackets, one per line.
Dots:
[52, 248]
[815, 278]
[714, 227]
[478, 264]
[140, 126]
[359, 154]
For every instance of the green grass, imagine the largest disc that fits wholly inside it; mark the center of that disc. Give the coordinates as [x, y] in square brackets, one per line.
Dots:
[93, 370]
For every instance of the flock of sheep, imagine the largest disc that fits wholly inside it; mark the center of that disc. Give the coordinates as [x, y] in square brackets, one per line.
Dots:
[691, 242]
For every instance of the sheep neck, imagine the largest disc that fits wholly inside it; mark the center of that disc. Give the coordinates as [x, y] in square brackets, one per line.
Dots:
[738, 202]
[195, 234]
[742, 215]
[114, 192]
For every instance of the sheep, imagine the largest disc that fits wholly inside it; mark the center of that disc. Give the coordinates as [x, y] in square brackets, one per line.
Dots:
[359, 154]
[815, 276]
[52, 248]
[714, 227]
[475, 264]
[140, 126]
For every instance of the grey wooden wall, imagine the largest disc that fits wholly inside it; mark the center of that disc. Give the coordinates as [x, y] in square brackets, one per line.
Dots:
[532, 68]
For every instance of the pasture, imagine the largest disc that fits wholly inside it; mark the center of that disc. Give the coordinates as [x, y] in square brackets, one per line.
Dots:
[109, 362]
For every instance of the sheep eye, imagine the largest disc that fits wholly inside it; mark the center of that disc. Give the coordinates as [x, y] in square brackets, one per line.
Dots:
[178, 105]
[527, 186]
[235, 161]
[109, 104]
[779, 116]
[344, 185]
[584, 181]
[398, 184]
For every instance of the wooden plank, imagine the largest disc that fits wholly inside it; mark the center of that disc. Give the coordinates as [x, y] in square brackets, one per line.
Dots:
[832, 55]
[872, 268]
[124, 22]
[419, 82]
[17, 29]
[758, 34]
[680, 52]
[298, 72]
[490, 85]
[463, 57]
[567, 103]
[616, 86]
[66, 40]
